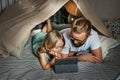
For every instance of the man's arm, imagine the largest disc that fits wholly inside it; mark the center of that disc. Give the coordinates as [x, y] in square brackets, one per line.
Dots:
[64, 56]
[94, 56]
[98, 53]
[70, 54]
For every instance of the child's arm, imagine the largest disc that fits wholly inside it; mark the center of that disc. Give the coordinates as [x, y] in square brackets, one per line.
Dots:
[46, 65]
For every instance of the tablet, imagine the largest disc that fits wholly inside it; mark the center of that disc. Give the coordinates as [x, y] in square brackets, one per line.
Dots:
[66, 65]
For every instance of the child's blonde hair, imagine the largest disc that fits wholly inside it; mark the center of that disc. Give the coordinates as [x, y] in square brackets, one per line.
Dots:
[50, 41]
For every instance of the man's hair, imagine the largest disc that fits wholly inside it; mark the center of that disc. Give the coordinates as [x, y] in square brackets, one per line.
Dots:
[50, 41]
[81, 25]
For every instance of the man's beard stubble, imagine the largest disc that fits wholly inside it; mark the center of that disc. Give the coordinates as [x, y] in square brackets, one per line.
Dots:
[77, 45]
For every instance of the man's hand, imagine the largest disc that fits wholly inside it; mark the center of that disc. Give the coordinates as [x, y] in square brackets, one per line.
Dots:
[88, 58]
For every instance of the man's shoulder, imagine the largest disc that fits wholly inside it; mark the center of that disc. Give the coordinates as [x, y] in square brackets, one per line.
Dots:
[66, 33]
[94, 33]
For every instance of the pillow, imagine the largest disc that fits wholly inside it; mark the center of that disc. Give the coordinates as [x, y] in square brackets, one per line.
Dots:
[4, 52]
[17, 52]
[107, 43]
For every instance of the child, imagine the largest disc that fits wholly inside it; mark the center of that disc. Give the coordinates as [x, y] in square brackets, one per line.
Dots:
[47, 46]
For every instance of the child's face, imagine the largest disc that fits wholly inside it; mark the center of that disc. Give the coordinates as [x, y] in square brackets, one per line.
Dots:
[58, 47]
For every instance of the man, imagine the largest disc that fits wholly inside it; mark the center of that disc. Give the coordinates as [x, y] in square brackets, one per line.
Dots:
[82, 41]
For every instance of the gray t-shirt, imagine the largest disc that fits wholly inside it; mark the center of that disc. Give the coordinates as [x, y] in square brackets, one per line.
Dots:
[92, 42]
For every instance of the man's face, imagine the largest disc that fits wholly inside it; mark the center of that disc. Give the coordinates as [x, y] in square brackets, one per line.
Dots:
[78, 39]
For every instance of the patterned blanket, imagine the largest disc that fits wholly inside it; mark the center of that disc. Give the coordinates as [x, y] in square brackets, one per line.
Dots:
[113, 26]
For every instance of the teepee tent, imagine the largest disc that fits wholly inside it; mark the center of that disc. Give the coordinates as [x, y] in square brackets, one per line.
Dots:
[18, 19]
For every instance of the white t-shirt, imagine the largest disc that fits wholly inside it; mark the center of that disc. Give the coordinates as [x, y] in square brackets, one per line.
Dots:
[92, 42]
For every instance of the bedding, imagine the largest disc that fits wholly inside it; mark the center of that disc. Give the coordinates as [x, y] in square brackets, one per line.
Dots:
[107, 43]
[29, 68]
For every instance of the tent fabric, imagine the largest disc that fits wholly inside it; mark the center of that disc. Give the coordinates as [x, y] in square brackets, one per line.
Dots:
[90, 15]
[18, 19]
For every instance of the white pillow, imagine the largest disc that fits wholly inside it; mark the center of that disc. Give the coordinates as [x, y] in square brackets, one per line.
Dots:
[107, 43]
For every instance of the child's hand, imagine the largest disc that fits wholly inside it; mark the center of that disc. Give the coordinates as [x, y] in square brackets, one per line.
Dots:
[57, 55]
